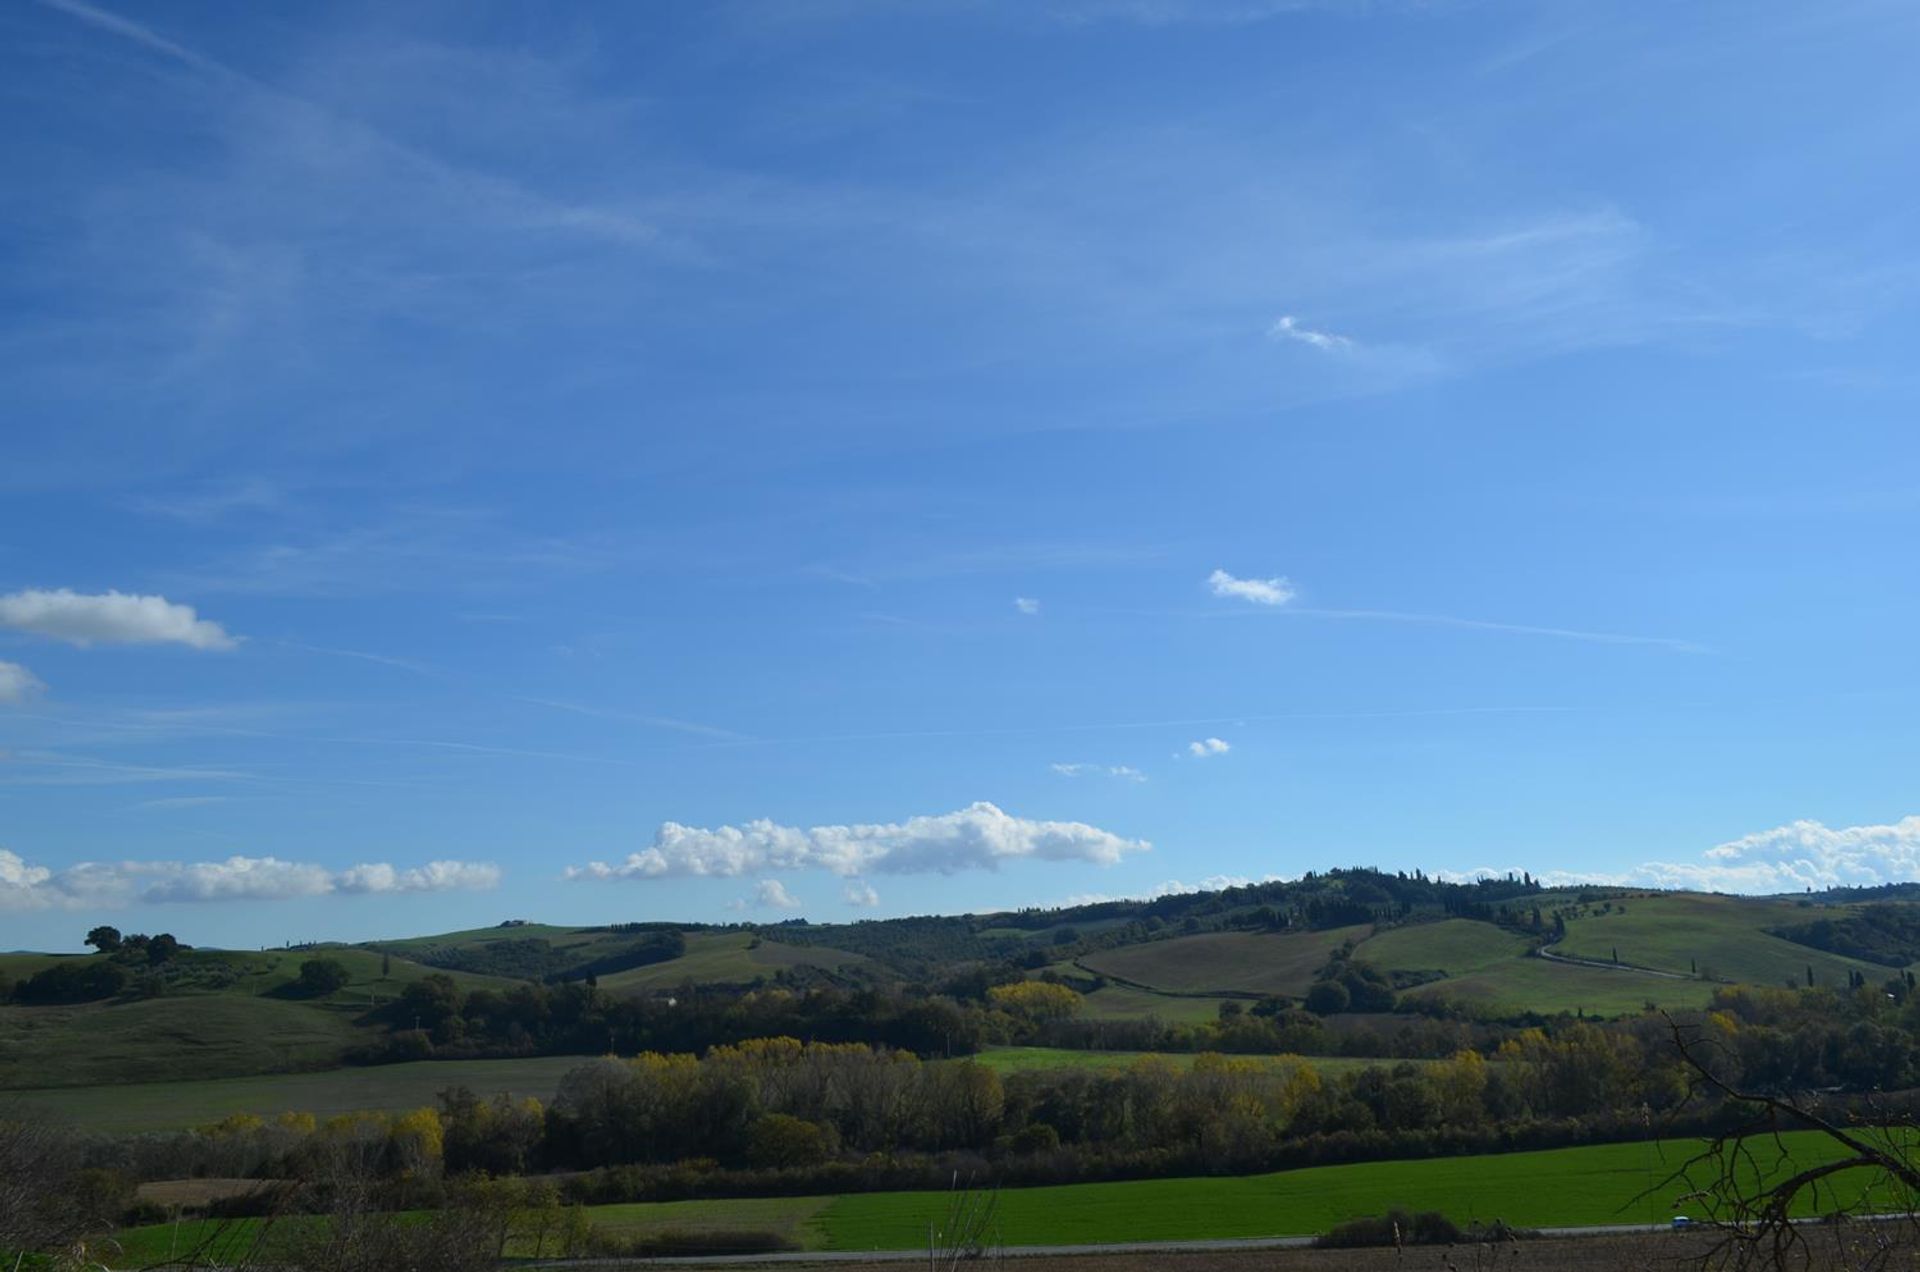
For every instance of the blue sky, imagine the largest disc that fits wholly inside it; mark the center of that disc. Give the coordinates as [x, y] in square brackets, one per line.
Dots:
[841, 458]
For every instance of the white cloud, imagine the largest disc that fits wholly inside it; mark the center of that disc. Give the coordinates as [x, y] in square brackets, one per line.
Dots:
[978, 837]
[1799, 855]
[1277, 591]
[435, 876]
[110, 618]
[1791, 858]
[859, 892]
[109, 883]
[1286, 328]
[1208, 746]
[17, 684]
[771, 894]
[1126, 772]
[1026, 605]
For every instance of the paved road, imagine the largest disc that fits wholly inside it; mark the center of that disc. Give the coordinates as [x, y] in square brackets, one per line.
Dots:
[1130, 1247]
[1546, 952]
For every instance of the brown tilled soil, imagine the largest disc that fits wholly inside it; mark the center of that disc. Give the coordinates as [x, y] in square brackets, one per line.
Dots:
[196, 1192]
[1646, 1252]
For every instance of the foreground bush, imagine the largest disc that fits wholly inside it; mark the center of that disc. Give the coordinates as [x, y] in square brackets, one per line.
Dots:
[674, 1243]
[1395, 1228]
[1400, 1228]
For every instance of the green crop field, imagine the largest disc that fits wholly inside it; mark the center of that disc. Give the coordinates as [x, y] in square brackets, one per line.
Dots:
[1725, 937]
[157, 1106]
[1236, 962]
[1452, 946]
[1123, 1002]
[166, 1039]
[1538, 985]
[1558, 1188]
[1604, 1184]
[229, 1013]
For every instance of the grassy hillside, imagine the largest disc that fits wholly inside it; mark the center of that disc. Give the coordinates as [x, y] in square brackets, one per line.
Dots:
[163, 1039]
[1451, 947]
[226, 1013]
[234, 1013]
[1520, 985]
[727, 958]
[1226, 962]
[157, 1106]
[1725, 937]
[714, 956]
[1122, 1002]
[21, 964]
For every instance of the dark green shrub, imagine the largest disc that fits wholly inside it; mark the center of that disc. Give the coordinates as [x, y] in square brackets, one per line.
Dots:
[1395, 1228]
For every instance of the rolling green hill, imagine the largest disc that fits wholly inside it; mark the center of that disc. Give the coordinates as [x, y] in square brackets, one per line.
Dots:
[158, 1106]
[1727, 938]
[228, 1013]
[225, 1013]
[165, 1039]
[728, 958]
[1225, 962]
[1450, 947]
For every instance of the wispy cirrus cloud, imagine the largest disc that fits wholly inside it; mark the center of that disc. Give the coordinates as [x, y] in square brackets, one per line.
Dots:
[487, 191]
[55, 768]
[1125, 772]
[172, 803]
[1273, 591]
[110, 618]
[112, 884]
[18, 685]
[978, 837]
[1287, 327]
[1675, 644]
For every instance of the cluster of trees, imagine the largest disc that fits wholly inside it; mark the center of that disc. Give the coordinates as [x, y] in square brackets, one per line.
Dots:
[72, 982]
[782, 1115]
[1884, 934]
[434, 1016]
[136, 949]
[1348, 984]
[137, 962]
